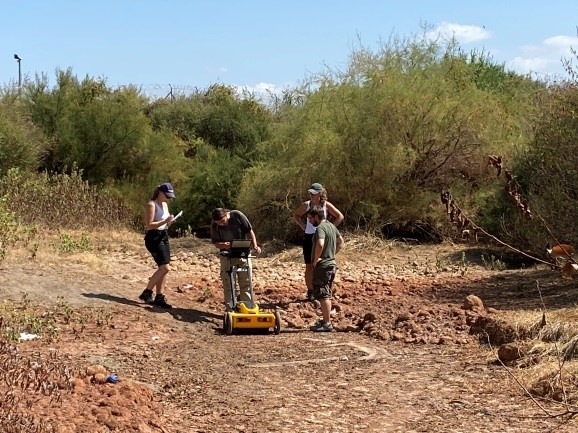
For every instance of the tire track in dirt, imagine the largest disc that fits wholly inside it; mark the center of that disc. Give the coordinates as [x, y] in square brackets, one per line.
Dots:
[370, 353]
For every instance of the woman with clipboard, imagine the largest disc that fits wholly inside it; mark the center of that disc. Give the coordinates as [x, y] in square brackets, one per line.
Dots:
[157, 221]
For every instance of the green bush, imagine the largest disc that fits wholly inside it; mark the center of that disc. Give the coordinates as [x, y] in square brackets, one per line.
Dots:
[387, 134]
[102, 131]
[20, 142]
[8, 228]
[548, 175]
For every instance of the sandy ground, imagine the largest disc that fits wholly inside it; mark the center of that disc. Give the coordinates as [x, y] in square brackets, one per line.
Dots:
[402, 358]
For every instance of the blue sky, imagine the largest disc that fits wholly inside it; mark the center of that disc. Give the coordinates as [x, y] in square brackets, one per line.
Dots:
[262, 44]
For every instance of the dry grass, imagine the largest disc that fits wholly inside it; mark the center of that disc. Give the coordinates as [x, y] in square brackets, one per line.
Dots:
[561, 325]
[28, 375]
[550, 355]
[56, 201]
[76, 246]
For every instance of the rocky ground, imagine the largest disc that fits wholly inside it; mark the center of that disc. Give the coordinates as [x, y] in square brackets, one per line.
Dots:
[402, 358]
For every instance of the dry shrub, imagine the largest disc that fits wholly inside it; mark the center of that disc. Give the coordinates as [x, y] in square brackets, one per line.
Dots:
[554, 345]
[555, 336]
[23, 382]
[56, 201]
[546, 381]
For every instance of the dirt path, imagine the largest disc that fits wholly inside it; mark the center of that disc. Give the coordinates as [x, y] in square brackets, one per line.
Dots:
[424, 373]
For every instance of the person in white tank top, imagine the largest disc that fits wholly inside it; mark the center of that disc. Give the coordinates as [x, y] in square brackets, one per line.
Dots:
[317, 197]
[157, 221]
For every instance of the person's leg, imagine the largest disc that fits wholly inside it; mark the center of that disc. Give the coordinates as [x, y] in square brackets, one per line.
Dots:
[160, 278]
[157, 282]
[226, 280]
[307, 252]
[152, 239]
[156, 278]
[244, 280]
[322, 289]
[160, 299]
[309, 277]
[326, 309]
[163, 259]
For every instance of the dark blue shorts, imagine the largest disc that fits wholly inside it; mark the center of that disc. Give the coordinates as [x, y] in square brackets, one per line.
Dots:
[157, 243]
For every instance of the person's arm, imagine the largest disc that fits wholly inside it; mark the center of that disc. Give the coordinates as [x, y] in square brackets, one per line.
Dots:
[216, 239]
[298, 214]
[222, 245]
[150, 223]
[254, 245]
[317, 250]
[339, 243]
[335, 213]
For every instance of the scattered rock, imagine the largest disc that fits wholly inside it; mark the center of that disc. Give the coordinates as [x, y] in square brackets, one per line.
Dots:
[509, 352]
[473, 303]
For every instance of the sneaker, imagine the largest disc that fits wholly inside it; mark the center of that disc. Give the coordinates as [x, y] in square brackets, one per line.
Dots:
[161, 301]
[321, 327]
[310, 295]
[146, 296]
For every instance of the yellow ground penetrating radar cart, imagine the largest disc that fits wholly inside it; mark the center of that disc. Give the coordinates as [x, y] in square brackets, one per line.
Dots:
[245, 315]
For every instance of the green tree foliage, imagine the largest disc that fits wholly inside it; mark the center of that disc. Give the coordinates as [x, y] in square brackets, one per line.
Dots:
[214, 181]
[221, 130]
[233, 122]
[384, 136]
[180, 116]
[219, 116]
[548, 173]
[102, 131]
[388, 133]
[20, 142]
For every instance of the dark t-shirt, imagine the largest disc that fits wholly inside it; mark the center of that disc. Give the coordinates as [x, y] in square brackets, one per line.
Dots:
[327, 231]
[237, 228]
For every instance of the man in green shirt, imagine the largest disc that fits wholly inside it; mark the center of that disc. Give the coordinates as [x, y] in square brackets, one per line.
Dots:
[327, 242]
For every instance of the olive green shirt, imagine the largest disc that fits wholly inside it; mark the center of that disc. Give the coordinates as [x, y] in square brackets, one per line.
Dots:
[327, 231]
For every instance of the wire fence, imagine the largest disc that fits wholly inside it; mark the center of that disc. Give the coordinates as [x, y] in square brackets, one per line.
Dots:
[173, 91]
[269, 95]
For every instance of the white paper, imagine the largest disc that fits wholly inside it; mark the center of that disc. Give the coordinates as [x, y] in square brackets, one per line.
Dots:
[179, 214]
[25, 336]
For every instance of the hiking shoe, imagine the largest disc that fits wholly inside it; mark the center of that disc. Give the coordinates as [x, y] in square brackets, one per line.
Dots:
[146, 296]
[321, 327]
[161, 301]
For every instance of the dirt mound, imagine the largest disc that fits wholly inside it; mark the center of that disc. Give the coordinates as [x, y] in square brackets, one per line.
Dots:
[45, 393]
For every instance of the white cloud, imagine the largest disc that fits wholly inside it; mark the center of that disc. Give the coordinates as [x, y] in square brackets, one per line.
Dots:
[462, 33]
[529, 64]
[561, 43]
[545, 58]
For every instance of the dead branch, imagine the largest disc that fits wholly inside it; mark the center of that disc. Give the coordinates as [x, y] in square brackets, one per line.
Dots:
[461, 220]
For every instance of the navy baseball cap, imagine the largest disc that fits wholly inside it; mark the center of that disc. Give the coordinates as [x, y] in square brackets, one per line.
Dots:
[167, 189]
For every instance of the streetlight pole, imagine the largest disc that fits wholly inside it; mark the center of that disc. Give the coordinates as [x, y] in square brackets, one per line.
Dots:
[18, 59]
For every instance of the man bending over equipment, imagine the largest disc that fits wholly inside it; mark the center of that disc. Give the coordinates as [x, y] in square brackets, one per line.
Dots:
[229, 225]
